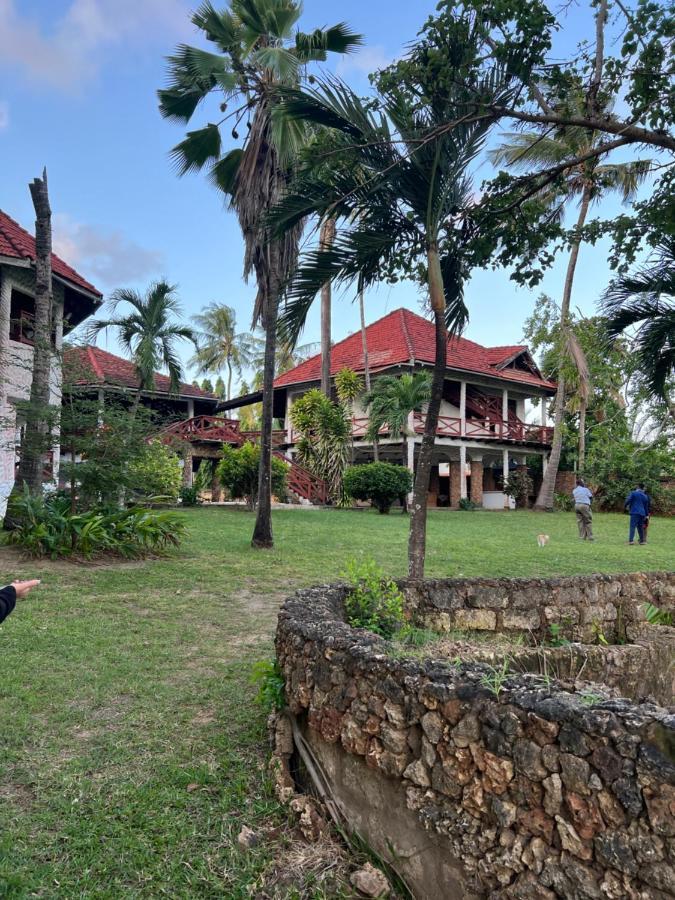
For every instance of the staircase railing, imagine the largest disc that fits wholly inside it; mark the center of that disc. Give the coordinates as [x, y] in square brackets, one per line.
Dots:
[303, 482]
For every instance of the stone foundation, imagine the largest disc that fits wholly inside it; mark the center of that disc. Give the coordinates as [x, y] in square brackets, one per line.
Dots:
[475, 788]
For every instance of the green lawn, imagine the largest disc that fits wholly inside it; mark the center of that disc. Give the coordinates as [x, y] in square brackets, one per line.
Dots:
[131, 751]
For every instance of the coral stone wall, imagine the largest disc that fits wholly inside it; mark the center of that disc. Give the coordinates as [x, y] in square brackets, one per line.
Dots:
[531, 790]
[581, 605]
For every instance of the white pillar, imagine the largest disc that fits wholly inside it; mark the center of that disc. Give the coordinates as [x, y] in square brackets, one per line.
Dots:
[505, 412]
[462, 472]
[191, 409]
[411, 464]
[462, 408]
[505, 474]
[542, 417]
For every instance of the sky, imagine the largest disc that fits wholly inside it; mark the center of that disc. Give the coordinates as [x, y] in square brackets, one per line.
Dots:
[77, 95]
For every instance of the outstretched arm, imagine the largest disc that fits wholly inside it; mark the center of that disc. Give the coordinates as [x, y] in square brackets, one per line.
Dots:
[13, 592]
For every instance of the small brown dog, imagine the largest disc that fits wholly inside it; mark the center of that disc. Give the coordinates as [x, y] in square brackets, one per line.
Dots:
[542, 540]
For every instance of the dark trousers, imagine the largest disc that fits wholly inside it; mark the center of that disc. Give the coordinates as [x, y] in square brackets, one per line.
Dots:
[637, 523]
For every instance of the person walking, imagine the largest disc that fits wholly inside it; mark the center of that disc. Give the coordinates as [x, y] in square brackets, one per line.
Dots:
[17, 590]
[582, 506]
[638, 505]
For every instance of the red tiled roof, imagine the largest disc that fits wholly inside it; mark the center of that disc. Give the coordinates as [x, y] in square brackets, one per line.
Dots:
[18, 243]
[401, 337]
[100, 367]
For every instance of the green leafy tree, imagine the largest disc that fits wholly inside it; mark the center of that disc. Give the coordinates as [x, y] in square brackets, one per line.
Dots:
[207, 385]
[156, 472]
[391, 401]
[220, 346]
[256, 52]
[219, 388]
[644, 301]
[587, 182]
[379, 482]
[237, 471]
[149, 331]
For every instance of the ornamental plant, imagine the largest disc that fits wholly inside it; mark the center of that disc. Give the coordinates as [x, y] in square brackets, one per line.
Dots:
[380, 482]
[237, 471]
[373, 602]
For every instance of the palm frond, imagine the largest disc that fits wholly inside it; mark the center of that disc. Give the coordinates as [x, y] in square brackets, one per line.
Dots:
[198, 148]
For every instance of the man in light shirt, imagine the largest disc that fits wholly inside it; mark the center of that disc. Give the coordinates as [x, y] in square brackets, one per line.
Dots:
[582, 506]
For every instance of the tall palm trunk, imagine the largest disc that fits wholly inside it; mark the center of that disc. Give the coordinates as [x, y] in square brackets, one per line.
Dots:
[325, 242]
[418, 520]
[366, 363]
[229, 379]
[35, 441]
[546, 491]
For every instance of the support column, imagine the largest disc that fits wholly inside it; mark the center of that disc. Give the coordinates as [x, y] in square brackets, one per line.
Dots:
[477, 478]
[505, 473]
[505, 412]
[455, 488]
[191, 409]
[462, 408]
[462, 472]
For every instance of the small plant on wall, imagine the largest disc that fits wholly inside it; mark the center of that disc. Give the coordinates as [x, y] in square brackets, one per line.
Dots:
[373, 602]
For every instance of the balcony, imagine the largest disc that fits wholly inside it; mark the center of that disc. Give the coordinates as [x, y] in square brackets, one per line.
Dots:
[485, 429]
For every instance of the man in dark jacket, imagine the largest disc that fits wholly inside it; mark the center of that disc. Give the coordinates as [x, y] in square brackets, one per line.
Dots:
[17, 590]
[637, 503]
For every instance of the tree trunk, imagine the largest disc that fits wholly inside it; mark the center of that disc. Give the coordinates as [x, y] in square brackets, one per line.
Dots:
[262, 532]
[36, 439]
[229, 379]
[418, 520]
[582, 436]
[325, 243]
[546, 491]
[366, 363]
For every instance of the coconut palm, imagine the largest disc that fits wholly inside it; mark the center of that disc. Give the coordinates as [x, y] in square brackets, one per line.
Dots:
[645, 300]
[404, 201]
[148, 332]
[391, 401]
[220, 346]
[586, 183]
[256, 53]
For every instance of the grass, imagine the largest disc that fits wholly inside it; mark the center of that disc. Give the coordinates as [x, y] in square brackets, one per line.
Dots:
[131, 749]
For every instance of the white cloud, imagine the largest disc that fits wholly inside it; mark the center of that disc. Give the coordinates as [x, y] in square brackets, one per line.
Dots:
[73, 49]
[4, 115]
[105, 255]
[364, 61]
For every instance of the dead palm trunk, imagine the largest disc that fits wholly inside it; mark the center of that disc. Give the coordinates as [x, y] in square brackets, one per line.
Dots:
[325, 242]
[582, 435]
[546, 491]
[366, 363]
[418, 519]
[36, 437]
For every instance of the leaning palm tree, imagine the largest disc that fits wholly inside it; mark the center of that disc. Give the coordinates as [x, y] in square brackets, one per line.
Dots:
[644, 300]
[219, 344]
[148, 332]
[587, 183]
[405, 202]
[391, 401]
[256, 53]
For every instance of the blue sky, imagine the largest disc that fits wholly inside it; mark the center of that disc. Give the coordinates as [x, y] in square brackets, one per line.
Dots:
[77, 94]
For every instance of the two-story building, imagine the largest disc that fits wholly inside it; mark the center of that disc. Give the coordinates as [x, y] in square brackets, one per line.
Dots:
[74, 299]
[483, 429]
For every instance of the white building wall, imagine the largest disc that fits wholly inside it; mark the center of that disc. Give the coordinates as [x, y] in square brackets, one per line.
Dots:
[16, 372]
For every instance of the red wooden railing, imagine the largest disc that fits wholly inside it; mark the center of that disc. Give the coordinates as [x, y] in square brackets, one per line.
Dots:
[204, 428]
[278, 436]
[302, 482]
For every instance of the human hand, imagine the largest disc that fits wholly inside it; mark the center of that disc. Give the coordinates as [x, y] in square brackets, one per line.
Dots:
[22, 588]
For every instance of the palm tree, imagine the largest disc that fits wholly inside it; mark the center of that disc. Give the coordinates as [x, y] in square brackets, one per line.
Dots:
[148, 332]
[391, 401]
[645, 300]
[256, 53]
[586, 183]
[326, 241]
[220, 346]
[406, 202]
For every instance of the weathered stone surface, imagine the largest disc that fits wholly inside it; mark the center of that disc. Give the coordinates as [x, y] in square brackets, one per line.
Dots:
[661, 808]
[433, 726]
[613, 849]
[370, 882]
[417, 773]
[527, 760]
[552, 794]
[571, 841]
[466, 731]
[575, 774]
[476, 619]
[521, 620]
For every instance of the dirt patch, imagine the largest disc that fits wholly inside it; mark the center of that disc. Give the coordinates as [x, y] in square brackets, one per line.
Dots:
[204, 717]
[19, 794]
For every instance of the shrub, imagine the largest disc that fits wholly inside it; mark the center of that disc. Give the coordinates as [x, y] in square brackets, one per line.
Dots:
[269, 679]
[563, 502]
[381, 483]
[189, 496]
[373, 602]
[467, 505]
[519, 486]
[48, 528]
[238, 472]
[156, 472]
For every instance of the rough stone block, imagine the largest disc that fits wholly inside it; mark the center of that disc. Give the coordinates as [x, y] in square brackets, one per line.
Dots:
[523, 621]
[476, 619]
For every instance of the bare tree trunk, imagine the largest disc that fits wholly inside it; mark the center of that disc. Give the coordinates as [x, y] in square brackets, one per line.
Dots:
[262, 532]
[36, 437]
[366, 363]
[546, 491]
[325, 243]
[229, 379]
[582, 436]
[418, 520]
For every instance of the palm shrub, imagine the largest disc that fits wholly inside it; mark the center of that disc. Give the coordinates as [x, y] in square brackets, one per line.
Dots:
[324, 434]
[381, 483]
[391, 401]
[255, 52]
[237, 471]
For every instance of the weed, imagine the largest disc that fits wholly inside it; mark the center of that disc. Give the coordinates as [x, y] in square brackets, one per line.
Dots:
[588, 698]
[494, 679]
[556, 635]
[656, 616]
[374, 602]
[599, 635]
[267, 675]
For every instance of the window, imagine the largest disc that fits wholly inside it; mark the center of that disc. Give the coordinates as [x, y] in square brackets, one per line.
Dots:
[22, 318]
